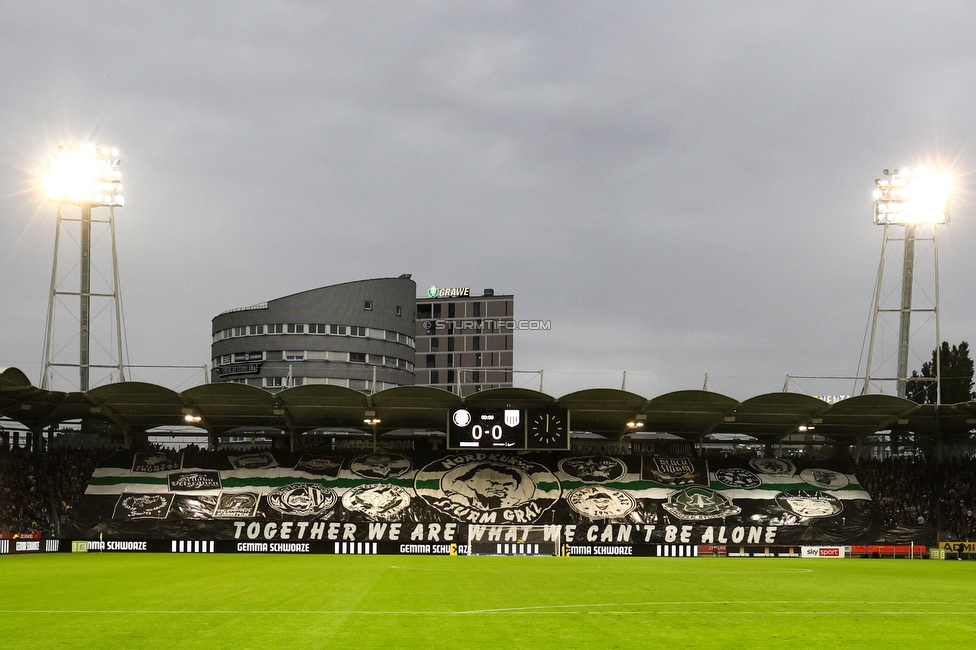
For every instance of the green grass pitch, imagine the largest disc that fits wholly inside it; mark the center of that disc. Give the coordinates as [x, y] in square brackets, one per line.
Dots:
[324, 601]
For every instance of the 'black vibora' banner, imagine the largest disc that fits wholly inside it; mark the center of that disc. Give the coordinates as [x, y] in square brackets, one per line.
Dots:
[392, 496]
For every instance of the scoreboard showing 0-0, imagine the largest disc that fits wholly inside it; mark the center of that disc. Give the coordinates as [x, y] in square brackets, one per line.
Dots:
[508, 428]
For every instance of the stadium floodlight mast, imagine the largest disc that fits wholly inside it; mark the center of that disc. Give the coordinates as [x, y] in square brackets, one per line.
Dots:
[909, 199]
[88, 177]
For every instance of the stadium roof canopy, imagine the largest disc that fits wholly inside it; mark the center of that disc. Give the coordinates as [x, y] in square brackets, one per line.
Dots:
[692, 415]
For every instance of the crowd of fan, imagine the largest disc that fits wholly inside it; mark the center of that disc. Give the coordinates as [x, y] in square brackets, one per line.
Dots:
[914, 492]
[38, 491]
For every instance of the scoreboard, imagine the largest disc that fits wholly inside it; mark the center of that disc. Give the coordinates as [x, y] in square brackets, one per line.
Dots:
[508, 428]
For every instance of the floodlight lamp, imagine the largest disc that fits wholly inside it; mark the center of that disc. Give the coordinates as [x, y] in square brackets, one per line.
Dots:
[85, 175]
[913, 197]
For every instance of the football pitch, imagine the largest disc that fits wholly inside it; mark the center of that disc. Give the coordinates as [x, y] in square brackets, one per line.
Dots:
[325, 601]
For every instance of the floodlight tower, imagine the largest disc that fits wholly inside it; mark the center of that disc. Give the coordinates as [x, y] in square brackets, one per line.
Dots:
[87, 177]
[910, 200]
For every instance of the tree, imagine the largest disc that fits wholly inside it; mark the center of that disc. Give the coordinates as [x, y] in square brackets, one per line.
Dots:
[957, 377]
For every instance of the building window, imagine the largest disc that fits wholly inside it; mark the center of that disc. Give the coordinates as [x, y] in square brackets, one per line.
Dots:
[357, 331]
[276, 329]
[450, 344]
[477, 309]
[431, 363]
[357, 357]
[296, 328]
[435, 377]
[437, 310]
[294, 355]
[368, 305]
[476, 343]
[477, 360]
[451, 310]
[399, 310]
[272, 382]
[339, 330]
[476, 376]
[240, 331]
[450, 360]
[255, 329]
[450, 376]
[390, 361]
[424, 311]
[316, 328]
[435, 343]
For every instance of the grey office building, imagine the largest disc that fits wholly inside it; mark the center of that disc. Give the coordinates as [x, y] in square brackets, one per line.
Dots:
[356, 334]
[465, 343]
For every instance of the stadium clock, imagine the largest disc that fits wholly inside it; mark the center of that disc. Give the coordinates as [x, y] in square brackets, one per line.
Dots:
[547, 429]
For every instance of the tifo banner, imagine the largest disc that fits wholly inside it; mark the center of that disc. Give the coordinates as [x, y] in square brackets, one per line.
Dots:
[412, 497]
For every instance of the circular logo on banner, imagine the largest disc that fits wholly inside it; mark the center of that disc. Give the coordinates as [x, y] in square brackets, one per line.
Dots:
[302, 499]
[738, 477]
[825, 478]
[810, 503]
[773, 466]
[696, 503]
[488, 488]
[380, 465]
[432, 292]
[598, 502]
[149, 506]
[593, 469]
[378, 501]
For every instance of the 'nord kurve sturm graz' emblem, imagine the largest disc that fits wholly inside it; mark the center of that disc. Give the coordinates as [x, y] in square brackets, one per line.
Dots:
[320, 465]
[825, 478]
[773, 466]
[143, 506]
[738, 477]
[204, 479]
[378, 501]
[698, 503]
[600, 502]
[233, 505]
[488, 488]
[381, 465]
[593, 469]
[156, 462]
[302, 499]
[810, 503]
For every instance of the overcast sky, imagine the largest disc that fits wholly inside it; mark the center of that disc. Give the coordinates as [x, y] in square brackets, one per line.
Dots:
[680, 188]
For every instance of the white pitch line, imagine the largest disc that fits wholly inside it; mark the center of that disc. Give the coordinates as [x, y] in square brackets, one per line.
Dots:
[543, 610]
